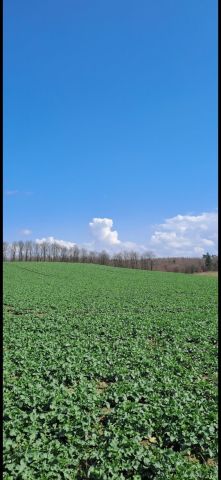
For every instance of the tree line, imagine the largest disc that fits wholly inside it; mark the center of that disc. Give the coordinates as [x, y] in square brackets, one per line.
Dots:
[54, 252]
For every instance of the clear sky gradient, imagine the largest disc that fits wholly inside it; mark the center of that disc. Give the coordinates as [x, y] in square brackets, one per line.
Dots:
[110, 111]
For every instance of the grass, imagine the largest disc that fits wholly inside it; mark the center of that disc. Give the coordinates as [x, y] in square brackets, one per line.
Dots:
[109, 373]
[208, 274]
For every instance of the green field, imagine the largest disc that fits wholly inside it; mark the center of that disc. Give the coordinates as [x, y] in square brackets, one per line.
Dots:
[109, 373]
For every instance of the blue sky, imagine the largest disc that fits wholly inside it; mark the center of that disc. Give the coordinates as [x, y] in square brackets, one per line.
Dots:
[110, 112]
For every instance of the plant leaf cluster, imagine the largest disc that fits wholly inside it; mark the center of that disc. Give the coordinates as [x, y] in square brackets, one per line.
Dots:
[109, 374]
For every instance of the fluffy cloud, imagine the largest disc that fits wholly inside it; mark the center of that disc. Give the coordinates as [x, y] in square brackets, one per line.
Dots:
[186, 235]
[108, 239]
[102, 231]
[52, 240]
[179, 236]
[26, 231]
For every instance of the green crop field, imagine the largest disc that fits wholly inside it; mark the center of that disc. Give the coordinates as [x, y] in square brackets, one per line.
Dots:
[109, 373]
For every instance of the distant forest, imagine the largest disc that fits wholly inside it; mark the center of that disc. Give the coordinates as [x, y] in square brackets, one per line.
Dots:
[53, 252]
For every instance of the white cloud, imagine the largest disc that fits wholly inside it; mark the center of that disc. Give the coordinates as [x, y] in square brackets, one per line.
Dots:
[186, 235]
[107, 238]
[102, 231]
[52, 240]
[179, 236]
[26, 231]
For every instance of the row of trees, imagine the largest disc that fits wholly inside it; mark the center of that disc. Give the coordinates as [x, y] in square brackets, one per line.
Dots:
[54, 252]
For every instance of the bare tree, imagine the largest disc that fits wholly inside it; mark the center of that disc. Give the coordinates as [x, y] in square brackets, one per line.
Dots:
[36, 251]
[28, 250]
[118, 259]
[93, 257]
[132, 259]
[75, 253]
[147, 260]
[5, 251]
[47, 251]
[103, 258]
[64, 254]
[214, 263]
[43, 251]
[20, 250]
[126, 258]
[55, 252]
[14, 250]
[83, 255]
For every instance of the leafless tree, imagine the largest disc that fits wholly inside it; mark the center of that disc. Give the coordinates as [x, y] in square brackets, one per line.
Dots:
[36, 251]
[133, 259]
[118, 259]
[43, 251]
[55, 252]
[14, 250]
[103, 258]
[147, 260]
[28, 250]
[20, 250]
[76, 253]
[214, 263]
[83, 255]
[125, 257]
[5, 251]
[64, 254]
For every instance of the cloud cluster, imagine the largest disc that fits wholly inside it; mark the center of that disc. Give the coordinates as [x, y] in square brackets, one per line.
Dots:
[186, 235]
[52, 240]
[182, 235]
[179, 236]
[102, 231]
[107, 238]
